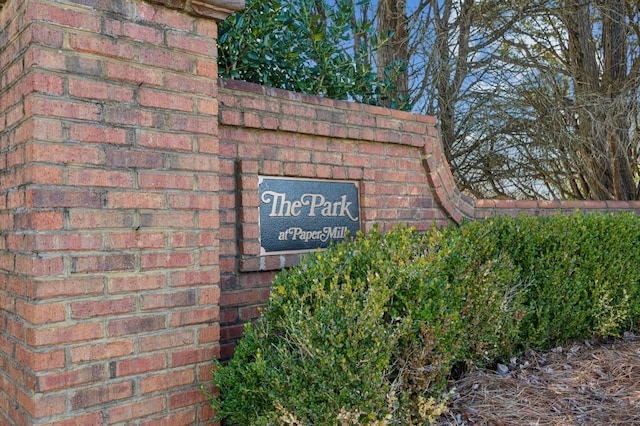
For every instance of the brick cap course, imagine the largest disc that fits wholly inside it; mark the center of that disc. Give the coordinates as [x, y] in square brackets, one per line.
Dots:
[212, 9]
[459, 206]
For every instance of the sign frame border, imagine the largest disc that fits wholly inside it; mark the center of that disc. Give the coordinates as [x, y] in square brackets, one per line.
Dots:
[356, 183]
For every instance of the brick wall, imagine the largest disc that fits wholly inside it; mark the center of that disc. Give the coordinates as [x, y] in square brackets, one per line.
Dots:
[266, 131]
[109, 276]
[129, 251]
[397, 157]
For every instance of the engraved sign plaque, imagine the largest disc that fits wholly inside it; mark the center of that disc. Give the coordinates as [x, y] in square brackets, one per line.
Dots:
[306, 214]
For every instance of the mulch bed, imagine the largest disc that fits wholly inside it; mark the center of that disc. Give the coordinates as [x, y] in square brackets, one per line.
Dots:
[588, 383]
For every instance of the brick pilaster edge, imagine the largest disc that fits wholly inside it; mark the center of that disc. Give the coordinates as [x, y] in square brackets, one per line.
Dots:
[212, 9]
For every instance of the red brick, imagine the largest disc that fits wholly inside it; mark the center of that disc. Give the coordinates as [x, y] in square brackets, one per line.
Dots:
[100, 178]
[187, 239]
[43, 174]
[166, 260]
[131, 116]
[64, 16]
[13, 159]
[166, 381]
[123, 413]
[36, 105]
[38, 266]
[135, 31]
[62, 335]
[207, 68]
[99, 395]
[208, 183]
[71, 378]
[185, 417]
[166, 59]
[182, 83]
[60, 197]
[191, 201]
[249, 312]
[190, 44]
[49, 84]
[135, 283]
[169, 300]
[96, 133]
[206, 413]
[40, 313]
[165, 141]
[138, 365]
[90, 219]
[192, 124]
[210, 334]
[205, 372]
[191, 356]
[231, 332]
[62, 154]
[195, 278]
[14, 115]
[209, 220]
[239, 298]
[165, 181]
[89, 89]
[162, 219]
[82, 419]
[131, 158]
[137, 239]
[207, 28]
[135, 200]
[83, 310]
[186, 398]
[194, 316]
[40, 361]
[166, 340]
[101, 263]
[117, 71]
[100, 351]
[210, 257]
[63, 61]
[164, 100]
[41, 129]
[210, 296]
[107, 47]
[68, 287]
[135, 325]
[41, 405]
[39, 220]
[46, 35]
[7, 303]
[197, 162]
[231, 118]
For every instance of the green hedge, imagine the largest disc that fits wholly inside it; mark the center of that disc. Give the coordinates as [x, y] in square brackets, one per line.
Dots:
[369, 331]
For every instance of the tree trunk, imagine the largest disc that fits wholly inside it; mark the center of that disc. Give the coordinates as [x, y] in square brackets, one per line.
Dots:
[393, 26]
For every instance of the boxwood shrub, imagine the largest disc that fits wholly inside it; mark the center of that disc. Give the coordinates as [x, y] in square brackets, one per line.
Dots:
[369, 331]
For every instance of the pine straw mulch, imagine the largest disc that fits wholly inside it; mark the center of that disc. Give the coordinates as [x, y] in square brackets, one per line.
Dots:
[589, 383]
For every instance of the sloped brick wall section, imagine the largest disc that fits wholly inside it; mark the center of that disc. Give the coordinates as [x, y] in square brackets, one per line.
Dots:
[129, 235]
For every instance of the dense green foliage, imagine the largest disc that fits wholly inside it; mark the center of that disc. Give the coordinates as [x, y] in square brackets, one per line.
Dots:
[579, 274]
[370, 330]
[308, 46]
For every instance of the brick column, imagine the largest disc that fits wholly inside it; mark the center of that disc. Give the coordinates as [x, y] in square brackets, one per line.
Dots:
[109, 274]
